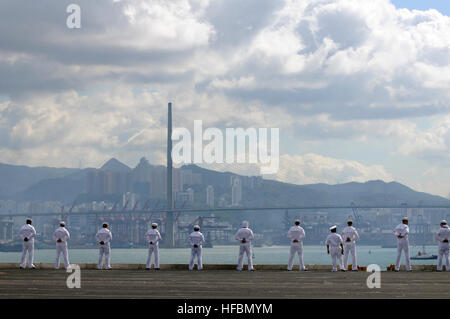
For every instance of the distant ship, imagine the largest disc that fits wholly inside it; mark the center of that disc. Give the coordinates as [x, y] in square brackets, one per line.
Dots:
[421, 255]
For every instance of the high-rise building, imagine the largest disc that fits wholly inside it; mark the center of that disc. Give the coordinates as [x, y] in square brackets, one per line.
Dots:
[158, 183]
[210, 196]
[190, 192]
[236, 192]
[101, 182]
[142, 172]
[184, 197]
[129, 199]
[177, 180]
[187, 176]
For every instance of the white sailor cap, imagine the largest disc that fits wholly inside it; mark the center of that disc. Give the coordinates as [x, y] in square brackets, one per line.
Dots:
[245, 224]
[405, 218]
[196, 227]
[297, 221]
[61, 223]
[154, 225]
[443, 222]
[349, 220]
[333, 227]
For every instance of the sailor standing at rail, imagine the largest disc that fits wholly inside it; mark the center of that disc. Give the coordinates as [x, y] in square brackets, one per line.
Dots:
[443, 237]
[402, 231]
[60, 236]
[104, 238]
[196, 239]
[296, 234]
[350, 236]
[245, 237]
[153, 237]
[27, 233]
[335, 247]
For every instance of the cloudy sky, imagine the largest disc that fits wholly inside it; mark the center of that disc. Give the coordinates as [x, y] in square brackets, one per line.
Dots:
[358, 88]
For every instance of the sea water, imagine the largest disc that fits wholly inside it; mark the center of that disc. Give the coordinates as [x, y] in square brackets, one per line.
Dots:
[227, 255]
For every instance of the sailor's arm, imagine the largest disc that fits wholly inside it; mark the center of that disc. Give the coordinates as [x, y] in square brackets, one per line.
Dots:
[437, 236]
[33, 234]
[406, 232]
[202, 239]
[302, 234]
[289, 234]
[21, 233]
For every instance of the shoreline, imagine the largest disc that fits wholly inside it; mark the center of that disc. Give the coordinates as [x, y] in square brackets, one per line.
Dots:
[206, 267]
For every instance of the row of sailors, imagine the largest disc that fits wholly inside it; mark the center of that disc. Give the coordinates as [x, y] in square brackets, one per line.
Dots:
[337, 245]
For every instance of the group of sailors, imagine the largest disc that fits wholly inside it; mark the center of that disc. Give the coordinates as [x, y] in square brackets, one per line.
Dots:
[338, 245]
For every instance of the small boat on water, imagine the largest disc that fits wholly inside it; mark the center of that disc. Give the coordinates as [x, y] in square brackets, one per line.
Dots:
[422, 255]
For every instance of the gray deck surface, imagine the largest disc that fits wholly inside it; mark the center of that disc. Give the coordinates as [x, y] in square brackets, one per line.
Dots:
[45, 283]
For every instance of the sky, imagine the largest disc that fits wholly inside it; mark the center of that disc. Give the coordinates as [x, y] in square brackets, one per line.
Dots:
[358, 88]
[439, 5]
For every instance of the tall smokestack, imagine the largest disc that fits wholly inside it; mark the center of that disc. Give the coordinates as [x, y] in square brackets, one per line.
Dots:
[169, 217]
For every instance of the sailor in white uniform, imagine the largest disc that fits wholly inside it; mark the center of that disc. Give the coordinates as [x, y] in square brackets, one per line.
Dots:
[27, 233]
[296, 234]
[196, 239]
[402, 231]
[335, 247]
[60, 236]
[153, 237]
[443, 237]
[245, 237]
[104, 238]
[350, 236]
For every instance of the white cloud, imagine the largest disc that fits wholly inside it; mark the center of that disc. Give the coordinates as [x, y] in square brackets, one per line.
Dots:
[431, 143]
[347, 70]
[314, 168]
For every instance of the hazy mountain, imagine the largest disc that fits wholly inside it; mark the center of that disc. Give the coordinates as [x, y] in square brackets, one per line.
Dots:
[65, 188]
[210, 177]
[274, 193]
[15, 178]
[378, 192]
[115, 165]
[62, 189]
[64, 184]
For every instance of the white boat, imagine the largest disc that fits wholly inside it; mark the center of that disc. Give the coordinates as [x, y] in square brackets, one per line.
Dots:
[421, 255]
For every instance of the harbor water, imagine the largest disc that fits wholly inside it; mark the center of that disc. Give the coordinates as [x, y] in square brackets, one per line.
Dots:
[227, 255]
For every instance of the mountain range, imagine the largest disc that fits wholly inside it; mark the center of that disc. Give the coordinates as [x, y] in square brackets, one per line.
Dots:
[22, 183]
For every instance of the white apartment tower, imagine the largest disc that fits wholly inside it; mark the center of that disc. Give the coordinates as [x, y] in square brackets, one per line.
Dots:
[236, 192]
[210, 196]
